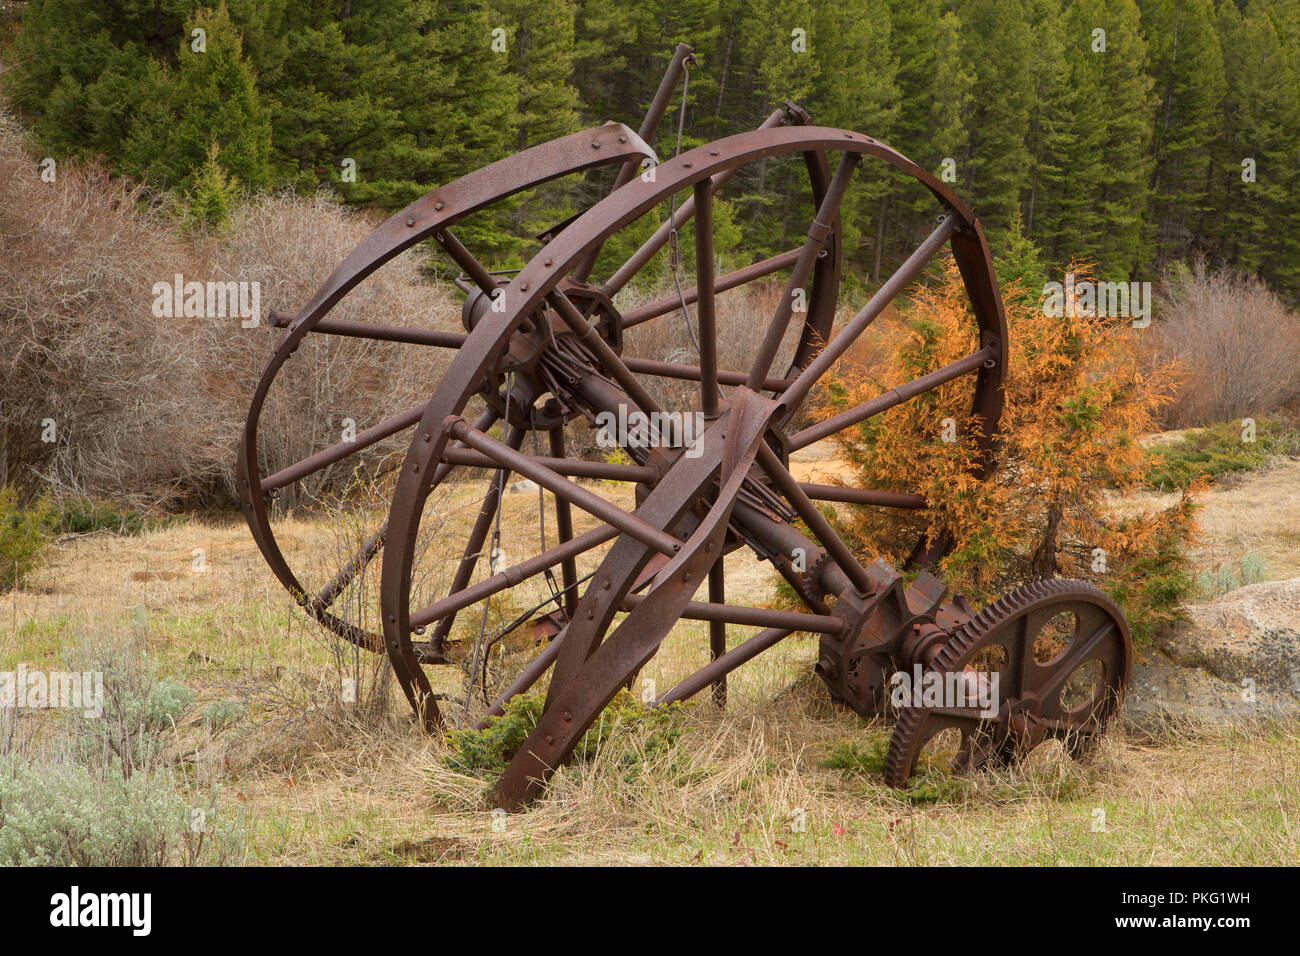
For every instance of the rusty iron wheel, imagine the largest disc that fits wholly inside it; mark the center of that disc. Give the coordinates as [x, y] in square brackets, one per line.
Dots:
[430, 217]
[1063, 656]
[548, 315]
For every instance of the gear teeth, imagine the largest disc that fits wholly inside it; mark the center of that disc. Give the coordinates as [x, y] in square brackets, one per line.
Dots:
[900, 760]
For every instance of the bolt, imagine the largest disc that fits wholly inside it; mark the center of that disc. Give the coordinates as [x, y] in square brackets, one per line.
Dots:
[410, 220]
[437, 205]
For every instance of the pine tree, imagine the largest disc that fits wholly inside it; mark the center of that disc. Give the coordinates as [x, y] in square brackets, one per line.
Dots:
[933, 85]
[1096, 167]
[1260, 115]
[540, 37]
[1050, 106]
[1187, 67]
[855, 89]
[212, 99]
[997, 48]
[92, 74]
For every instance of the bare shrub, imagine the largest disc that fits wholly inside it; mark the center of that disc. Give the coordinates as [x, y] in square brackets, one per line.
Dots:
[1236, 343]
[84, 362]
[290, 245]
[149, 410]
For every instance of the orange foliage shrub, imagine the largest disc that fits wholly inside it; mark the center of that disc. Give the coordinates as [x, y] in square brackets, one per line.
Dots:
[1078, 395]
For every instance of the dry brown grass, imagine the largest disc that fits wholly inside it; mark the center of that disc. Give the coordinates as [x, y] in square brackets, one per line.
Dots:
[319, 783]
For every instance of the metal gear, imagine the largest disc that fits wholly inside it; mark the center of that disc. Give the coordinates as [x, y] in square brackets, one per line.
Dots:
[1062, 656]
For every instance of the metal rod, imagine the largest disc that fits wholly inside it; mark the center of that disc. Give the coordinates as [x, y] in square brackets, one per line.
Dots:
[339, 450]
[656, 242]
[670, 303]
[588, 501]
[718, 630]
[649, 129]
[837, 346]
[524, 680]
[823, 225]
[564, 525]
[752, 616]
[575, 468]
[608, 358]
[719, 668]
[706, 311]
[813, 518]
[512, 576]
[478, 534]
[691, 373]
[348, 573]
[379, 331]
[862, 496]
[895, 396]
[465, 259]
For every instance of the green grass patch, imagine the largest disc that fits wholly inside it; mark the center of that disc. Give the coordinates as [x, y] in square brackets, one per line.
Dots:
[1218, 450]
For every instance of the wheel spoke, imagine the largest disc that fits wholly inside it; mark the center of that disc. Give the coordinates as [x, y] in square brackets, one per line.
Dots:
[895, 396]
[574, 468]
[816, 521]
[588, 501]
[477, 272]
[340, 450]
[648, 130]
[742, 616]
[862, 496]
[513, 575]
[656, 242]
[823, 225]
[564, 527]
[706, 313]
[1076, 654]
[836, 347]
[348, 573]
[610, 359]
[717, 669]
[670, 303]
[691, 373]
[718, 629]
[477, 536]
[378, 331]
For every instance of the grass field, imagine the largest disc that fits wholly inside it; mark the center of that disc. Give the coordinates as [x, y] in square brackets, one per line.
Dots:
[782, 777]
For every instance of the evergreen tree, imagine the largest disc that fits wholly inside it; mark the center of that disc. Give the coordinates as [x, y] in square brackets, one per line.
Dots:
[211, 99]
[540, 62]
[997, 48]
[934, 92]
[1096, 167]
[1260, 111]
[1187, 67]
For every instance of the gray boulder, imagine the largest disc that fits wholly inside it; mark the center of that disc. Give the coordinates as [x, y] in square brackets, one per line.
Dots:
[1237, 658]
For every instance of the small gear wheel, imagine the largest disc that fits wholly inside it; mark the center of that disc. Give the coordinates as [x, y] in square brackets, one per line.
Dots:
[1050, 660]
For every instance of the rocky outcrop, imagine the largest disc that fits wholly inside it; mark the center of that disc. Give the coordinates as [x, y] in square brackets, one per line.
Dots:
[1237, 658]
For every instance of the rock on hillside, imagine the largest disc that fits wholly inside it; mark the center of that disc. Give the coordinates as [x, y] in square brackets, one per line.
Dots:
[1237, 657]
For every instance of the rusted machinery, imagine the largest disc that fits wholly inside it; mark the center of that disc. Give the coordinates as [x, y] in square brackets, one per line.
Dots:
[543, 348]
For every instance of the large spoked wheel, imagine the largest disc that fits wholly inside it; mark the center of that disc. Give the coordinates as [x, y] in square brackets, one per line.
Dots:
[552, 342]
[431, 216]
